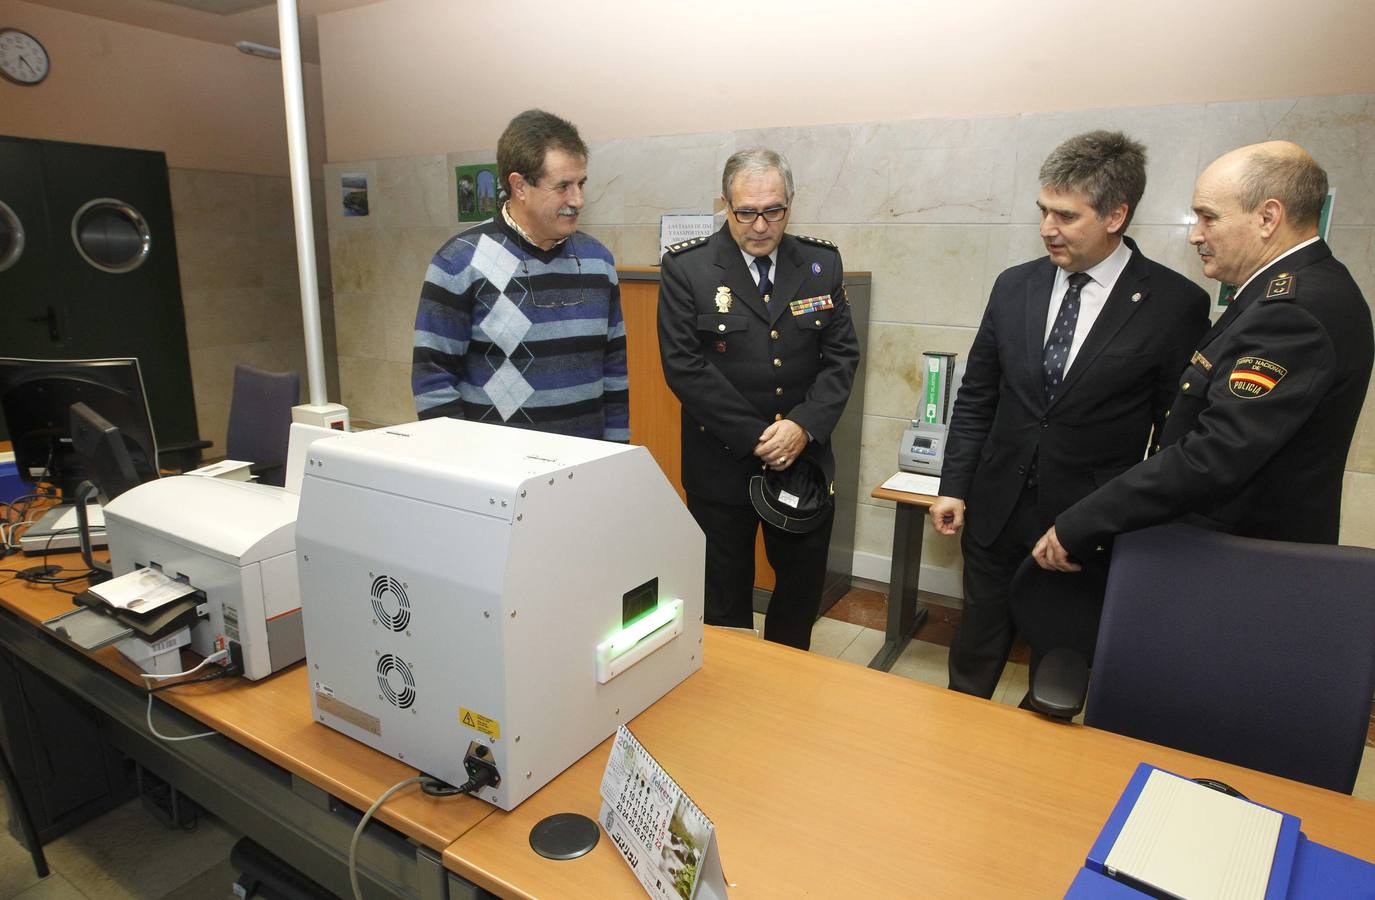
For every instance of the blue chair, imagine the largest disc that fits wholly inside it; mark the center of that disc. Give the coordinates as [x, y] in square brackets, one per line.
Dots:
[260, 420]
[1257, 653]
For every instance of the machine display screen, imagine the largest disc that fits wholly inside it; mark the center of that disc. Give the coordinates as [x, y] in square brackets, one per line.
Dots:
[638, 601]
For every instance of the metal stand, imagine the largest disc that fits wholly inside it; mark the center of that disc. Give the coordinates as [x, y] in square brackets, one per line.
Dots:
[904, 616]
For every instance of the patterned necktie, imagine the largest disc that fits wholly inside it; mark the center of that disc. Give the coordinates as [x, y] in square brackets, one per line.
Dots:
[1056, 352]
[762, 263]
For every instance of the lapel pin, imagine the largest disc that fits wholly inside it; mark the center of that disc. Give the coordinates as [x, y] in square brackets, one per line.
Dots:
[816, 268]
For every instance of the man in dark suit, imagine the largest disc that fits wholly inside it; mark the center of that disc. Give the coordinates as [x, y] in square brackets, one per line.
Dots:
[1073, 365]
[757, 343]
[1257, 438]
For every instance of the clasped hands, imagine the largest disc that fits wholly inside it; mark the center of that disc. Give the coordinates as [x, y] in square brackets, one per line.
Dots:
[780, 444]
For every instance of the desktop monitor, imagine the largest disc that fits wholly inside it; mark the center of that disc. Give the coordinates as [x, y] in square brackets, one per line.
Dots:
[36, 398]
[101, 448]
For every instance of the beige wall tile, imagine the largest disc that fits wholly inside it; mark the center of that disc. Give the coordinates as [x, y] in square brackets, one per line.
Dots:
[1340, 133]
[631, 245]
[377, 390]
[1358, 510]
[225, 202]
[931, 170]
[893, 358]
[878, 456]
[873, 525]
[637, 180]
[414, 192]
[1170, 133]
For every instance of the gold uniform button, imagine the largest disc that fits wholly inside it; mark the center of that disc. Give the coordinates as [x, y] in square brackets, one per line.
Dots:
[1185, 386]
[1167, 413]
[1157, 448]
[721, 327]
[778, 392]
[774, 335]
[818, 323]
[701, 428]
[777, 363]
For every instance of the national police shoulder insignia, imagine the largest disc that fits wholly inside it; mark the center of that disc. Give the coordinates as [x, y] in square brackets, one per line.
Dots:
[1281, 287]
[1254, 377]
[814, 240]
[686, 245]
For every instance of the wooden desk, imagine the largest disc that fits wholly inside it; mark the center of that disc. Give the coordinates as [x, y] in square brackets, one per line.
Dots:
[904, 614]
[827, 779]
[277, 785]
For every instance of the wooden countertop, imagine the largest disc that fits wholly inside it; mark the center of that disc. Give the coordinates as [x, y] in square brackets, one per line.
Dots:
[828, 779]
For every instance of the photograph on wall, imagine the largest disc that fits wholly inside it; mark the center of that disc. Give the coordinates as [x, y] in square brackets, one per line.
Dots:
[477, 192]
[355, 191]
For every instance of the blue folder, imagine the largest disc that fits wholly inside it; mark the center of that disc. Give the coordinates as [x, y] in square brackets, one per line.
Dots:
[1301, 869]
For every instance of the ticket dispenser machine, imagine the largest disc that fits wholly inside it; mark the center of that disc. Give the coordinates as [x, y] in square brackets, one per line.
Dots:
[923, 443]
[468, 585]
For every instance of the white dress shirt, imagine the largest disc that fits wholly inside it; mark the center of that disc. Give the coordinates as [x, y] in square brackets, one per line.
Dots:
[1092, 297]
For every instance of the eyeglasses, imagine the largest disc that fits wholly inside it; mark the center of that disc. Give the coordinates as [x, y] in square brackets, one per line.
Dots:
[747, 216]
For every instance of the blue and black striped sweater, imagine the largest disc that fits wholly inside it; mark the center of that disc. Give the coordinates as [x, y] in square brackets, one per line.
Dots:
[511, 334]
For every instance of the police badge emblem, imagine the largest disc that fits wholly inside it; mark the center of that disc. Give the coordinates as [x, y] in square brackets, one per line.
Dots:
[723, 299]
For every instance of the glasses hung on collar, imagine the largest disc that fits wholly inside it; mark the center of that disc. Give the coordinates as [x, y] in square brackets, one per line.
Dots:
[548, 301]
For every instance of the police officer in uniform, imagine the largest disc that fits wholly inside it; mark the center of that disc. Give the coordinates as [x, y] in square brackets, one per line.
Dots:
[1257, 438]
[757, 343]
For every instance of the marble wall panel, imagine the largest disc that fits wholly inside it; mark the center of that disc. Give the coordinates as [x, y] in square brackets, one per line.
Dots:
[929, 171]
[414, 192]
[634, 181]
[1340, 133]
[878, 456]
[630, 245]
[892, 359]
[1227, 126]
[362, 320]
[873, 526]
[1171, 135]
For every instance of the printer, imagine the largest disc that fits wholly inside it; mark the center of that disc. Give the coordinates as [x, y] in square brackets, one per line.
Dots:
[472, 588]
[234, 543]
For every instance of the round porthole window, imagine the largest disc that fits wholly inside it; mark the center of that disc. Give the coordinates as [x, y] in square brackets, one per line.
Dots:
[111, 235]
[11, 237]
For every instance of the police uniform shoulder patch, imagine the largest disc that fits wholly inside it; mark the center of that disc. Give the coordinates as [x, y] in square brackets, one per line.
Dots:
[1254, 377]
[1281, 287]
[686, 245]
[815, 240]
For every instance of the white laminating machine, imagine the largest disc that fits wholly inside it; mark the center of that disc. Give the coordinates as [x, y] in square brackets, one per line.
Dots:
[474, 588]
[232, 541]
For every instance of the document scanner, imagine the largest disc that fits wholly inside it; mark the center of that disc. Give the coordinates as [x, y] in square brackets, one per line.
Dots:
[479, 588]
[232, 541]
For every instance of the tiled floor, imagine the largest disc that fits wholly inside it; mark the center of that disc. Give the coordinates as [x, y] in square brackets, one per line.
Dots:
[128, 855]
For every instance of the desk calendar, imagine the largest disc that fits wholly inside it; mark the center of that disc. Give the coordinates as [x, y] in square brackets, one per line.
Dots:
[663, 836]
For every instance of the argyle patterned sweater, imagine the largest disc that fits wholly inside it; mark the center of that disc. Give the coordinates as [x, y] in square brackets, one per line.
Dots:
[511, 334]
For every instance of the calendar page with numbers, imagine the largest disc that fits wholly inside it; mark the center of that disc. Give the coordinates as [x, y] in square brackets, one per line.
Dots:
[663, 836]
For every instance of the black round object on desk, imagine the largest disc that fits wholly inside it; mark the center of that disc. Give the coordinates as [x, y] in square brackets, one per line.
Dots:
[564, 836]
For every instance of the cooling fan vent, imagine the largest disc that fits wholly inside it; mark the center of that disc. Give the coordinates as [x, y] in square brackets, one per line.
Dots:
[382, 586]
[389, 666]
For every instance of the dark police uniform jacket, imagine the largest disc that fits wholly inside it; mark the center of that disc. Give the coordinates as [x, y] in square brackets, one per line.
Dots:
[1117, 389]
[737, 365]
[1257, 438]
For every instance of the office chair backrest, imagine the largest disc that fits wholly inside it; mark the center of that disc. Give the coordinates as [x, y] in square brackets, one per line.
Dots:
[260, 419]
[1258, 653]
